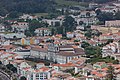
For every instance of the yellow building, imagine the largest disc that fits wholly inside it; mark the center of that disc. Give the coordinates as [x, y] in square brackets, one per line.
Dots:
[32, 40]
[23, 41]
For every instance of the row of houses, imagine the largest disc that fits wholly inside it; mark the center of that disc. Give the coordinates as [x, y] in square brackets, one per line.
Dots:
[38, 71]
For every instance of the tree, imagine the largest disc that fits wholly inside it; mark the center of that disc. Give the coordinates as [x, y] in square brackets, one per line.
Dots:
[34, 24]
[93, 51]
[26, 6]
[85, 44]
[69, 23]
[96, 33]
[14, 69]
[23, 78]
[59, 30]
[109, 41]
[76, 40]
[67, 11]
[98, 11]
[116, 62]
[7, 25]
[11, 67]
[103, 1]
[62, 12]
[15, 79]
[88, 14]
[57, 24]
[110, 73]
[43, 33]
[81, 22]
[0, 62]
[28, 33]
[52, 31]
[105, 16]
[14, 14]
[88, 34]
[117, 15]
[3, 12]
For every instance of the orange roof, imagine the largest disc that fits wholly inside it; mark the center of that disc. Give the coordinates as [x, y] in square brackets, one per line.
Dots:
[108, 34]
[44, 69]
[18, 61]
[58, 35]
[116, 66]
[56, 42]
[91, 42]
[26, 68]
[27, 47]
[100, 63]
[99, 75]
[69, 32]
[104, 69]
[10, 56]
[75, 46]
[118, 33]
[8, 46]
[94, 72]
[65, 65]
[78, 62]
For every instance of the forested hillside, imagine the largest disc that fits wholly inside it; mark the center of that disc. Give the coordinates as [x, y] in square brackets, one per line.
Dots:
[25, 6]
[97, 1]
[37, 6]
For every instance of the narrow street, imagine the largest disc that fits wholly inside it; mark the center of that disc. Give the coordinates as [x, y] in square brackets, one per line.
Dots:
[4, 76]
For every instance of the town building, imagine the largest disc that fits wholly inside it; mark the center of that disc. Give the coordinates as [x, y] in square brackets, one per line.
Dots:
[59, 54]
[113, 23]
[43, 32]
[2, 28]
[53, 22]
[20, 26]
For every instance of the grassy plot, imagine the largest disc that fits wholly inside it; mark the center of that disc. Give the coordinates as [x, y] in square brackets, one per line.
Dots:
[70, 3]
[41, 14]
[105, 29]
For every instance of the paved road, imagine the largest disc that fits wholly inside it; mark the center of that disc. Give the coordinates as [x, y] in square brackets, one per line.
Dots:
[3, 76]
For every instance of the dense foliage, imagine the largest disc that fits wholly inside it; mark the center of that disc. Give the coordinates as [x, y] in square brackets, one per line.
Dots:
[23, 78]
[106, 16]
[34, 24]
[97, 1]
[25, 6]
[11, 67]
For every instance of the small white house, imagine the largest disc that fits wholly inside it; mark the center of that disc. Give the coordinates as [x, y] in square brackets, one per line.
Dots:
[87, 21]
[53, 22]
[87, 14]
[20, 26]
[113, 23]
[27, 16]
[70, 35]
[42, 73]
[13, 35]
[2, 28]
[42, 32]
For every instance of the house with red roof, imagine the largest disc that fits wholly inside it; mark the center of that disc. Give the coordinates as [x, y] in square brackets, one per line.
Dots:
[34, 73]
[20, 26]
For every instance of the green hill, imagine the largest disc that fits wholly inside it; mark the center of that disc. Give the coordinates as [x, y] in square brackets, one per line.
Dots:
[70, 3]
[25, 6]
